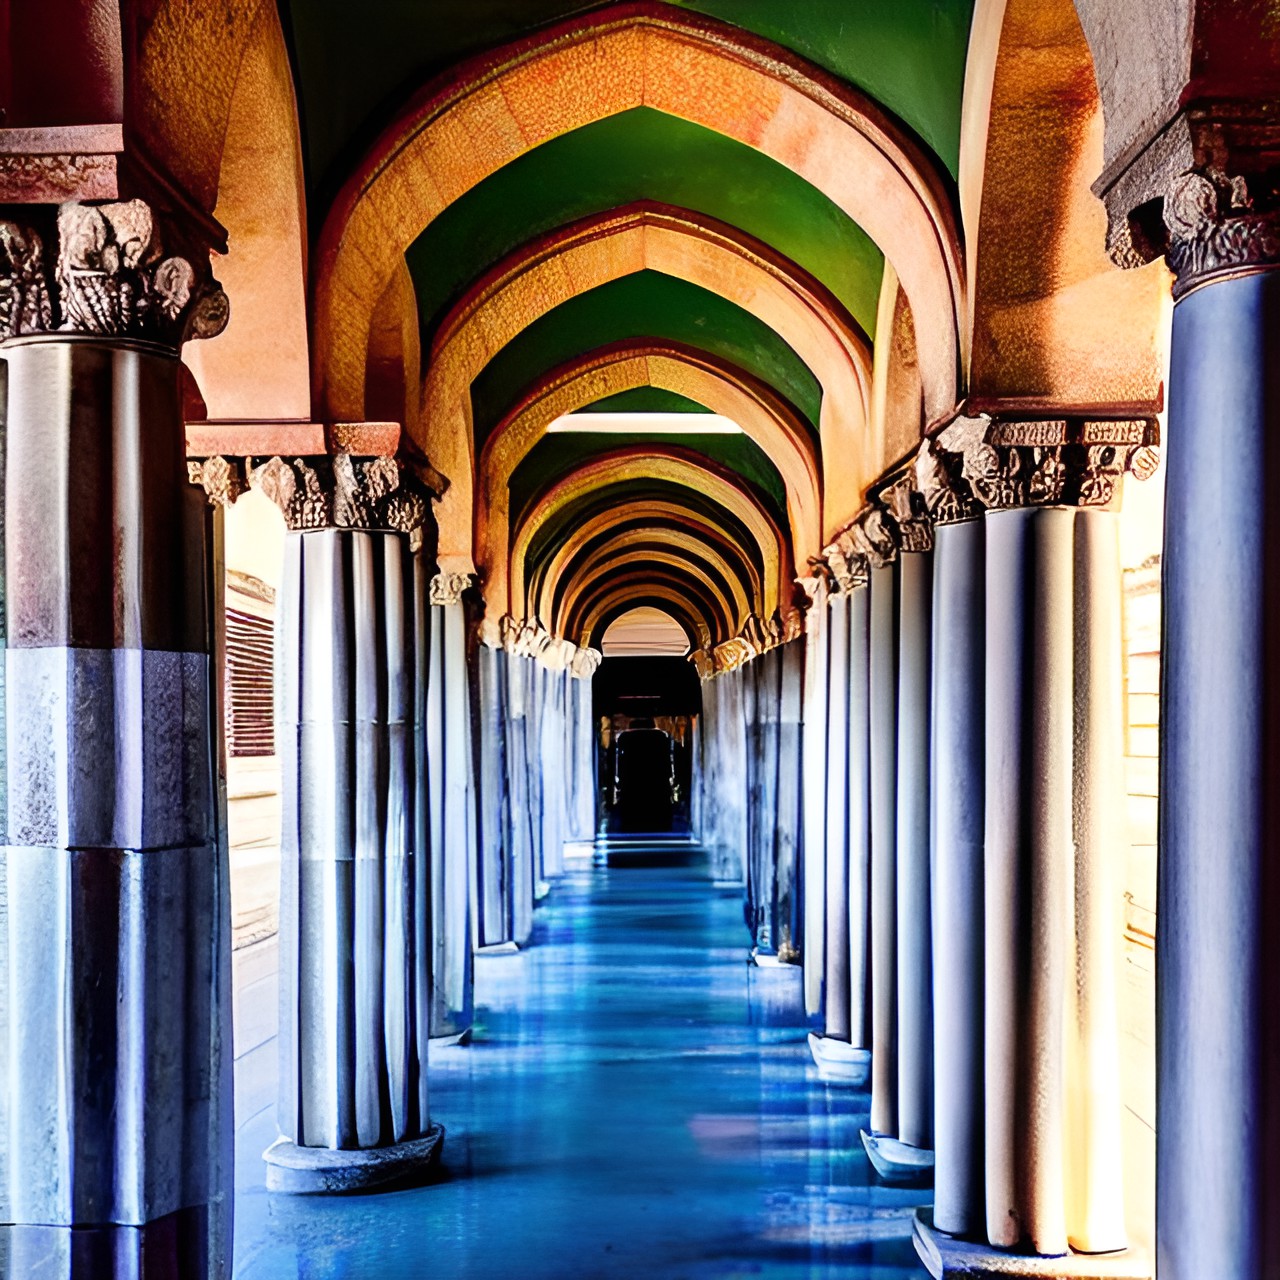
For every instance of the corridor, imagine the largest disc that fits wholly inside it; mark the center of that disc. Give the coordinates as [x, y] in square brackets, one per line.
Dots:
[638, 1101]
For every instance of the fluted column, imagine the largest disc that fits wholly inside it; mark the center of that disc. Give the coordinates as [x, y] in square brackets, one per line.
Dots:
[836, 984]
[1218, 945]
[858, 774]
[355, 881]
[496, 905]
[814, 784]
[451, 787]
[884, 851]
[957, 769]
[914, 873]
[788, 840]
[115, 1053]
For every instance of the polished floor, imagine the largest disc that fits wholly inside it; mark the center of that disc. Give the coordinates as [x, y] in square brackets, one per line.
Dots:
[638, 1101]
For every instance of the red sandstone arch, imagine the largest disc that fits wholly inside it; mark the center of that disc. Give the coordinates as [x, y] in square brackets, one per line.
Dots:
[592, 605]
[760, 413]
[496, 107]
[540, 599]
[673, 467]
[1052, 323]
[640, 547]
[241, 146]
[646, 236]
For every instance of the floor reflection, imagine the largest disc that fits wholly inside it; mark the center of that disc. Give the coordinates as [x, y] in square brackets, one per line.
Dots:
[638, 1101]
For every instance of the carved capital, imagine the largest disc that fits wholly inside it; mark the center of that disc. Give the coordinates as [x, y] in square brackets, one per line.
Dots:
[845, 563]
[908, 514]
[342, 492]
[1073, 462]
[704, 663]
[585, 663]
[111, 278]
[447, 588]
[1219, 226]
[947, 498]
[222, 479]
[524, 637]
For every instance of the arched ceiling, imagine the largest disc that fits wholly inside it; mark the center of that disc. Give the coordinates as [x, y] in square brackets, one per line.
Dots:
[636, 207]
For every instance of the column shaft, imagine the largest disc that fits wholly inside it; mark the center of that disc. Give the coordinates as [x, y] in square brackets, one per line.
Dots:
[354, 979]
[452, 822]
[1028, 903]
[788, 842]
[115, 1015]
[884, 850]
[1218, 1157]
[836, 984]
[957, 804]
[914, 938]
[496, 905]
[814, 763]
[858, 791]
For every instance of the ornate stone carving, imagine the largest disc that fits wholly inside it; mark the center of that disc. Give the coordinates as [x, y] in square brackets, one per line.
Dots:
[222, 479]
[946, 497]
[343, 492]
[524, 637]
[585, 663]
[1058, 461]
[908, 514]
[25, 305]
[447, 588]
[704, 663]
[873, 538]
[112, 278]
[1217, 225]
[845, 563]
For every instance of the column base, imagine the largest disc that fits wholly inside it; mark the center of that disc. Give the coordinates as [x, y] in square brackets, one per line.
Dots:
[316, 1170]
[946, 1258]
[898, 1161]
[838, 1061]
[766, 959]
[498, 949]
[541, 889]
[451, 1038]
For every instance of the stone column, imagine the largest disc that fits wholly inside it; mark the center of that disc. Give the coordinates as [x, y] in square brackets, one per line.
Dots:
[858, 791]
[813, 871]
[451, 805]
[522, 822]
[496, 905]
[836, 982]
[788, 836]
[956, 795]
[115, 1038]
[884, 853]
[1218, 945]
[915, 930]
[1051, 830]
[355, 883]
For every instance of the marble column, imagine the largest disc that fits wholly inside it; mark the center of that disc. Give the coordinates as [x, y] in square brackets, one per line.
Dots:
[452, 811]
[836, 983]
[355, 957]
[957, 770]
[914, 878]
[1053, 833]
[884, 848]
[522, 820]
[858, 822]
[788, 839]
[115, 1039]
[813, 872]
[1218, 944]
[496, 906]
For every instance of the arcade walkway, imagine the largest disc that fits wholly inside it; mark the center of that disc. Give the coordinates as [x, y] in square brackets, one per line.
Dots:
[638, 1102]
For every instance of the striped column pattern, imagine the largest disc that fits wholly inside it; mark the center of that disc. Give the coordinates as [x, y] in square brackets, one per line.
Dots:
[114, 923]
[452, 808]
[355, 954]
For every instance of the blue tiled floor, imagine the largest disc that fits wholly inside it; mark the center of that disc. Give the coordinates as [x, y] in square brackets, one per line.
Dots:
[638, 1102]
